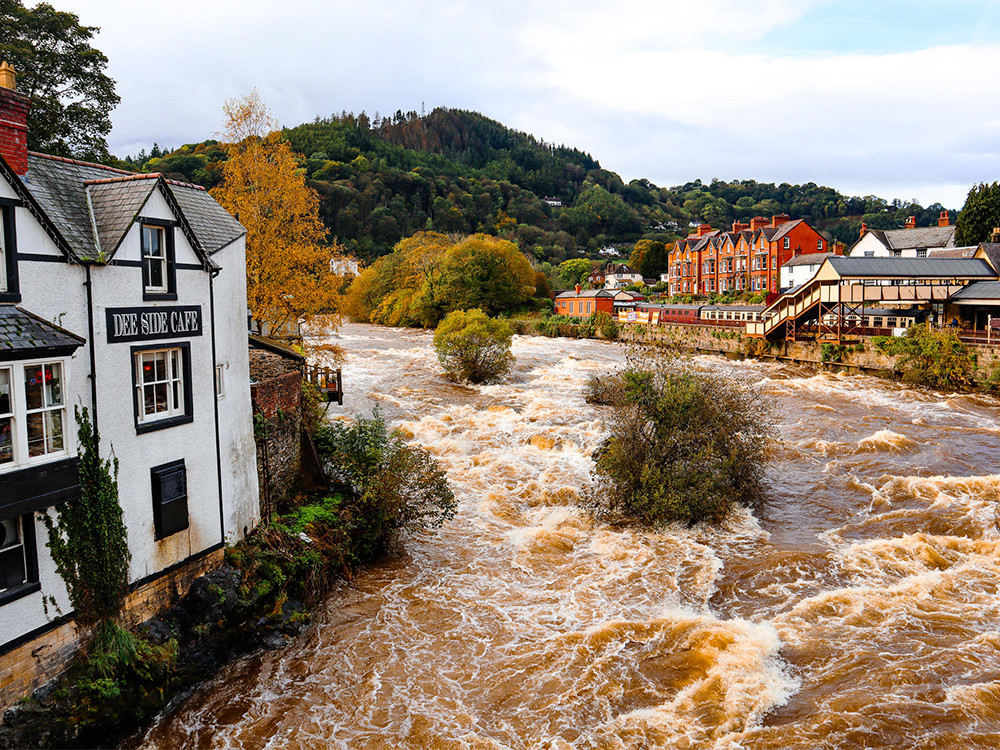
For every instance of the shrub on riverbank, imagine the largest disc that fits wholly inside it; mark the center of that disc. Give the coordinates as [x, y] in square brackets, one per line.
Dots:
[473, 347]
[932, 357]
[684, 445]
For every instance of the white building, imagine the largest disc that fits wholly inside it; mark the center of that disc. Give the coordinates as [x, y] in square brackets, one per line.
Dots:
[798, 270]
[910, 242]
[125, 294]
[620, 276]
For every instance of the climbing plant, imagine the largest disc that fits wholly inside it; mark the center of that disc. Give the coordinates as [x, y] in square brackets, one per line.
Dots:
[88, 539]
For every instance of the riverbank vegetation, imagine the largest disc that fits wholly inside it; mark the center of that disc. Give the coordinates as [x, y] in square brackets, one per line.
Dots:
[933, 357]
[380, 490]
[430, 274]
[684, 444]
[472, 347]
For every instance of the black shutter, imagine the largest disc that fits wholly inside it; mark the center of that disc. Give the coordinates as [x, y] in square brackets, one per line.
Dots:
[170, 513]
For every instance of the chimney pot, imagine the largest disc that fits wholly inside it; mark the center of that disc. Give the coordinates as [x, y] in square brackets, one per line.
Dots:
[7, 77]
[864, 228]
[944, 220]
[577, 288]
[14, 109]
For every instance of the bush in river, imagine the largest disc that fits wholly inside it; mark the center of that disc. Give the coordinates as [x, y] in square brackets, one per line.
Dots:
[685, 445]
[473, 347]
[392, 487]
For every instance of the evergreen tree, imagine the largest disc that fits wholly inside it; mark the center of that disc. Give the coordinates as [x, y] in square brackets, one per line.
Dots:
[980, 215]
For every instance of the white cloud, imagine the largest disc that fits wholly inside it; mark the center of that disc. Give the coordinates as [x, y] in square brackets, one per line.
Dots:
[668, 90]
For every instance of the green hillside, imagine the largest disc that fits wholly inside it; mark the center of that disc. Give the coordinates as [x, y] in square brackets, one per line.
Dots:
[383, 179]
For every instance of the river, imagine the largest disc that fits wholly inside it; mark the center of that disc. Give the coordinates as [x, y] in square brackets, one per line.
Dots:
[859, 609]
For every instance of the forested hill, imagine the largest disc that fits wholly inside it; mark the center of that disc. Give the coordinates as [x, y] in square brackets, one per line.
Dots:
[383, 178]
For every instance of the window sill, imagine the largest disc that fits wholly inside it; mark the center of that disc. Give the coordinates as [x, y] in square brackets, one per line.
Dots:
[6, 297]
[6, 597]
[162, 424]
[159, 296]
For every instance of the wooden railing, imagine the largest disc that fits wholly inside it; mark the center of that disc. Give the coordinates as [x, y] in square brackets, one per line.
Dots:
[327, 381]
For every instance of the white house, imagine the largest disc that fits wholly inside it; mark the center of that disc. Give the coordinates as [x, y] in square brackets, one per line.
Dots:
[909, 242]
[125, 294]
[800, 269]
[620, 276]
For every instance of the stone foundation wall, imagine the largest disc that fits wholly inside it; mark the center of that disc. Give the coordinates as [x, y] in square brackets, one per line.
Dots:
[32, 664]
[278, 431]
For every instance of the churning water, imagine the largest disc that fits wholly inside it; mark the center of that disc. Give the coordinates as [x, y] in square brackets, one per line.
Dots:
[859, 609]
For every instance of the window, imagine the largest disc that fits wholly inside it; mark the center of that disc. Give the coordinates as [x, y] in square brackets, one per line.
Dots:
[162, 379]
[896, 253]
[921, 252]
[43, 391]
[170, 512]
[158, 280]
[32, 413]
[819, 246]
[9, 291]
[6, 418]
[18, 562]
[787, 243]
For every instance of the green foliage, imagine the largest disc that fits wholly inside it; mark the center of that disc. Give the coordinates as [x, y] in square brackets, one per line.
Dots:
[980, 215]
[392, 487]
[833, 352]
[473, 347]
[607, 389]
[63, 75]
[88, 540]
[575, 271]
[649, 258]
[684, 445]
[607, 325]
[429, 275]
[935, 358]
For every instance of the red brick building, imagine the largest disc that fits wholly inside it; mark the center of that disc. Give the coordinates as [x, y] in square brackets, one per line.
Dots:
[747, 258]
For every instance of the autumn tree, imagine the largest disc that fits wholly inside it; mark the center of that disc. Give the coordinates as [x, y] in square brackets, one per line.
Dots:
[649, 258]
[289, 276]
[63, 75]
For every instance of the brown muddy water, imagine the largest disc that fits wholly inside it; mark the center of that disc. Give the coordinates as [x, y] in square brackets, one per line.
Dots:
[859, 609]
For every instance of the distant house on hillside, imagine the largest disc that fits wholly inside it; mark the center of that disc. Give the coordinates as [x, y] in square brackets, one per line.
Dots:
[909, 242]
[552, 201]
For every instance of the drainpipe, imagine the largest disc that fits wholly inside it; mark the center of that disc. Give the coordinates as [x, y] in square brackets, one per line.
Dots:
[93, 358]
[215, 398]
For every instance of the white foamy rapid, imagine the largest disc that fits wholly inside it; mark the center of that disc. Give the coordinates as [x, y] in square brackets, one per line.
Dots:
[859, 608]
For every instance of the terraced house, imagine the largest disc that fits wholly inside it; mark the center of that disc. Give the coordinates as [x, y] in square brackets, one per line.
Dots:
[125, 294]
[747, 258]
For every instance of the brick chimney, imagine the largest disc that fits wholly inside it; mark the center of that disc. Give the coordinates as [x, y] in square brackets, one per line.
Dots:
[758, 222]
[838, 248]
[779, 219]
[738, 226]
[578, 290]
[911, 222]
[864, 229]
[13, 122]
[944, 220]
[704, 229]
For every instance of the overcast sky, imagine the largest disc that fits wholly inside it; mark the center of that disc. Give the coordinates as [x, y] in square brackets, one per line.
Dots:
[887, 97]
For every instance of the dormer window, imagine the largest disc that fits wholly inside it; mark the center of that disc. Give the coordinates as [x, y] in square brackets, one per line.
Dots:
[158, 261]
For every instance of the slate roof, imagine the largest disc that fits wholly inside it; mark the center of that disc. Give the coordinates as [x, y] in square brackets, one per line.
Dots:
[952, 252]
[93, 206]
[784, 228]
[932, 268]
[978, 290]
[921, 237]
[585, 293]
[25, 334]
[115, 204]
[809, 259]
[992, 250]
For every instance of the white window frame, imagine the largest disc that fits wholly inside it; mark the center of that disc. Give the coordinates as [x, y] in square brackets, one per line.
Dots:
[161, 233]
[174, 374]
[19, 414]
[787, 243]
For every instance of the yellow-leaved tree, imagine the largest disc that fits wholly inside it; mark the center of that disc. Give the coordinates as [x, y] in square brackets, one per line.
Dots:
[289, 274]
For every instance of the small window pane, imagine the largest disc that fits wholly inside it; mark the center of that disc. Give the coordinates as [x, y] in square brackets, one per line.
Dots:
[34, 377]
[36, 434]
[12, 564]
[6, 440]
[54, 428]
[5, 397]
[53, 385]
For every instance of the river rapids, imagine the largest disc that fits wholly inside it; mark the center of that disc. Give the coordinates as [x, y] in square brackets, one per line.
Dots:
[859, 609]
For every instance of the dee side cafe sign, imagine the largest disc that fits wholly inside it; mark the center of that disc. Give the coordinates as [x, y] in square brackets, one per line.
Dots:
[151, 323]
